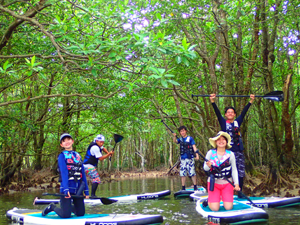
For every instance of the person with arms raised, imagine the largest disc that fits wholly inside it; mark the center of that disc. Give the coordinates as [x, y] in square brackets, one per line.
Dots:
[232, 126]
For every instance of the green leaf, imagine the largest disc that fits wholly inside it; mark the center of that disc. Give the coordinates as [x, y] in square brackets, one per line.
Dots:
[86, 19]
[174, 82]
[178, 59]
[161, 71]
[155, 76]
[6, 65]
[94, 72]
[32, 60]
[158, 15]
[139, 43]
[191, 47]
[58, 18]
[98, 34]
[164, 83]
[185, 61]
[121, 8]
[153, 69]
[126, 2]
[122, 39]
[112, 55]
[169, 75]
[185, 44]
[73, 47]
[162, 50]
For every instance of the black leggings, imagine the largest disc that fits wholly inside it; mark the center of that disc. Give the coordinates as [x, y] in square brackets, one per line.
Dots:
[67, 207]
[241, 182]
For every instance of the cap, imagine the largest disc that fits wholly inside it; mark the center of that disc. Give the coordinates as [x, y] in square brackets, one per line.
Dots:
[64, 135]
[99, 137]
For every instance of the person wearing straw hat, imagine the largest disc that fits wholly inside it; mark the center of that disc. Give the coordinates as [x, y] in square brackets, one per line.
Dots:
[232, 126]
[221, 166]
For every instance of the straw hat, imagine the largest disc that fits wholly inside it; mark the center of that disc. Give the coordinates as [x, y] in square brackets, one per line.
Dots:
[212, 140]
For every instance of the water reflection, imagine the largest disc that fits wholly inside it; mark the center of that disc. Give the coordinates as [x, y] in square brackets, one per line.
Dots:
[175, 212]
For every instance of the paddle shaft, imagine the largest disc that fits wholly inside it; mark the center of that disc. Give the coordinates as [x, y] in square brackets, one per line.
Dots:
[167, 126]
[105, 201]
[217, 169]
[261, 96]
[273, 96]
[112, 150]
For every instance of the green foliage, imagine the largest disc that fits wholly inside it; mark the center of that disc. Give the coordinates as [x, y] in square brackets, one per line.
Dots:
[119, 62]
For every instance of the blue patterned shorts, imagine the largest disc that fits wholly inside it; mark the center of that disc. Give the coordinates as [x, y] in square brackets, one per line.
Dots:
[187, 166]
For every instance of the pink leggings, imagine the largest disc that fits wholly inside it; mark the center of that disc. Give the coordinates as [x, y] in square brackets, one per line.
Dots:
[222, 192]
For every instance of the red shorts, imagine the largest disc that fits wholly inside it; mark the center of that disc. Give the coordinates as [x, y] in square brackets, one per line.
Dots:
[222, 192]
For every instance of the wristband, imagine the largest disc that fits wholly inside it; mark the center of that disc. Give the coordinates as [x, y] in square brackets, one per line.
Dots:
[198, 152]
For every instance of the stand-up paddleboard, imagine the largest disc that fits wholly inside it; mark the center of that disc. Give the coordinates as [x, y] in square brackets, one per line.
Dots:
[187, 192]
[123, 198]
[198, 196]
[261, 202]
[240, 214]
[28, 216]
[272, 202]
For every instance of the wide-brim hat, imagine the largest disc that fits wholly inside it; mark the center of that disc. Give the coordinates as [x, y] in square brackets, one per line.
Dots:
[212, 140]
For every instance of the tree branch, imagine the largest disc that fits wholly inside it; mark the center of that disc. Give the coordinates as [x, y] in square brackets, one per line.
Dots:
[60, 96]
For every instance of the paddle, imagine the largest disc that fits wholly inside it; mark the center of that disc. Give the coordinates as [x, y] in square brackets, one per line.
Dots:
[241, 193]
[273, 96]
[167, 126]
[105, 201]
[117, 139]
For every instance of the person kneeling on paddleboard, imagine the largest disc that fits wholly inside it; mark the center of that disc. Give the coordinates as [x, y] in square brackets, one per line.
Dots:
[221, 166]
[72, 181]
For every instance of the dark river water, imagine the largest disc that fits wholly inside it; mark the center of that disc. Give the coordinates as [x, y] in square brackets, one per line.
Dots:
[174, 211]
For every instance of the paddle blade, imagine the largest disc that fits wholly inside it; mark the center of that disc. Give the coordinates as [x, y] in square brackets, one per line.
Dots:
[118, 138]
[275, 96]
[105, 201]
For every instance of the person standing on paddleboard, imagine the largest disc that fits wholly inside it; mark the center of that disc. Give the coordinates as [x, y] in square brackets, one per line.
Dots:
[90, 162]
[72, 181]
[221, 165]
[187, 151]
[232, 126]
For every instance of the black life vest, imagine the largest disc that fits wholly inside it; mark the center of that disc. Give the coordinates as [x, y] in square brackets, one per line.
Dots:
[234, 131]
[89, 158]
[186, 147]
[74, 165]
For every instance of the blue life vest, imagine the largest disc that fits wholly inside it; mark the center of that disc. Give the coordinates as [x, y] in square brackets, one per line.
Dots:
[233, 130]
[89, 158]
[186, 147]
[74, 165]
